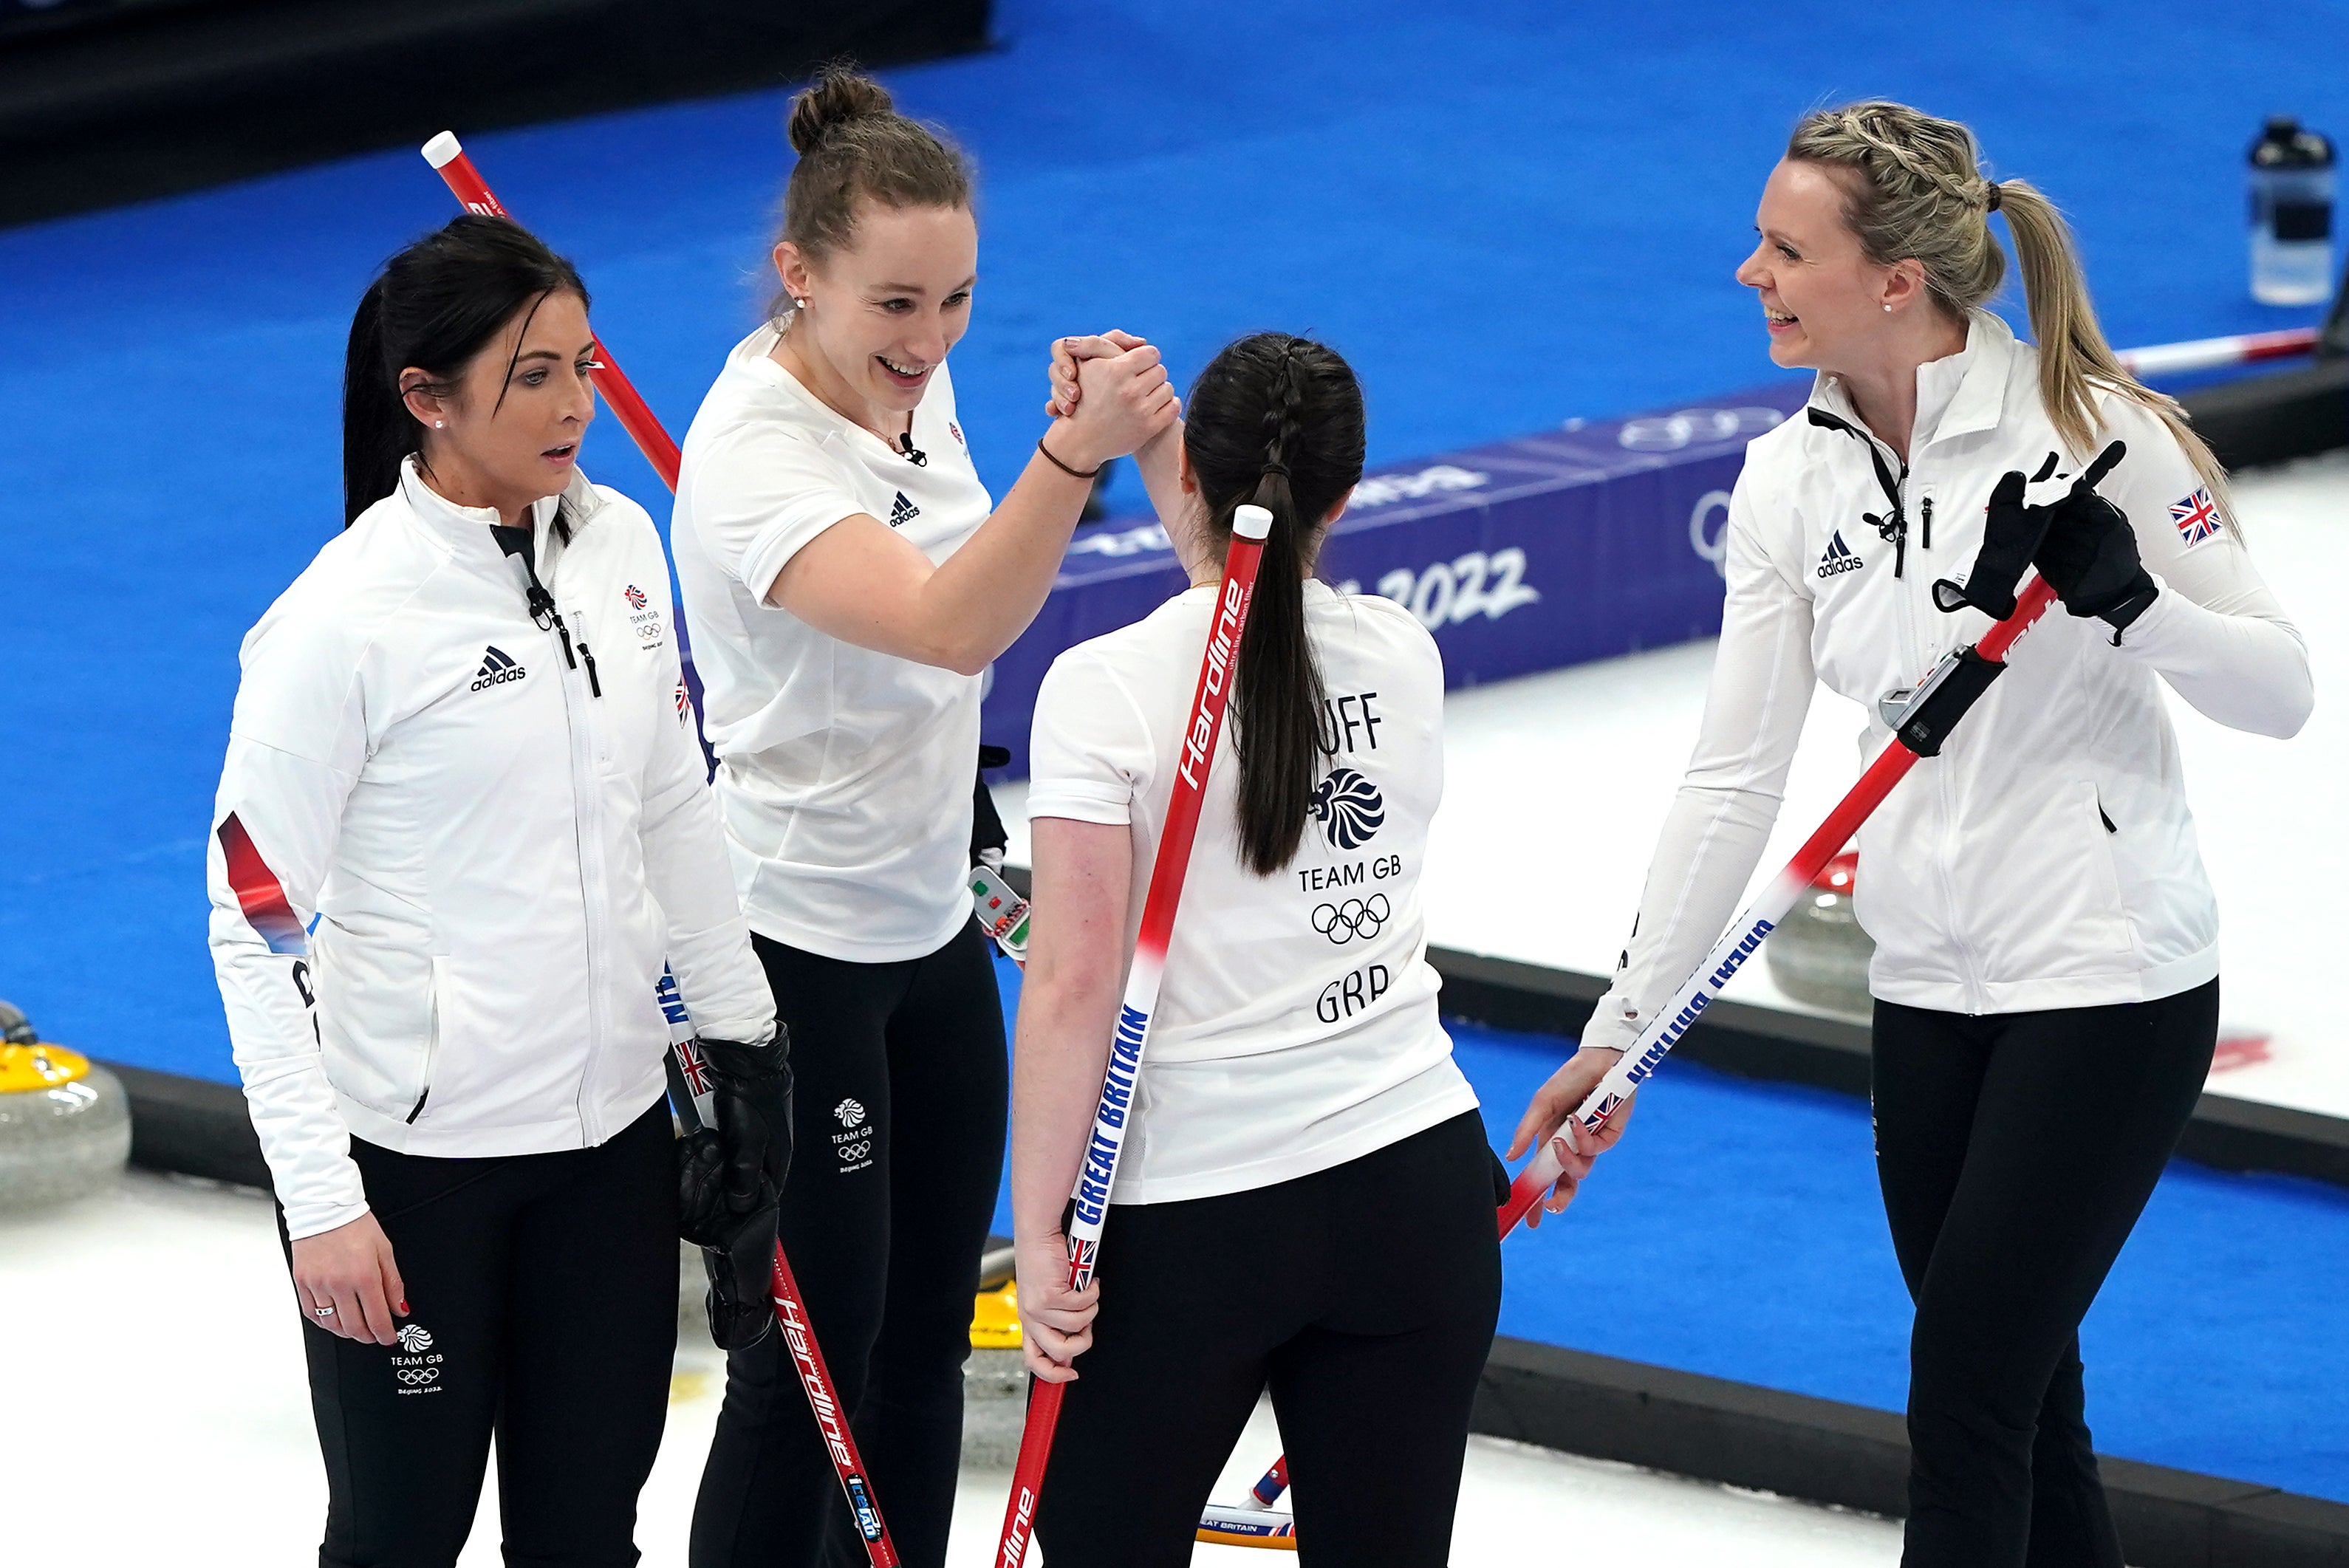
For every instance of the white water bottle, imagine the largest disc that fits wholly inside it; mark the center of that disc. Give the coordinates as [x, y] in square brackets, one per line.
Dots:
[2292, 214]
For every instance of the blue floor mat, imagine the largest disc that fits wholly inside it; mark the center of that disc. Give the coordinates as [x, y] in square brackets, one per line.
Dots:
[1736, 1232]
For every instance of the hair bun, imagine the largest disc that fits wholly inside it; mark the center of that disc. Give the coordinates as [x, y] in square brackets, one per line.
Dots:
[839, 95]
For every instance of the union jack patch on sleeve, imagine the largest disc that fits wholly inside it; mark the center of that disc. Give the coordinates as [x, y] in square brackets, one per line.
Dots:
[2197, 517]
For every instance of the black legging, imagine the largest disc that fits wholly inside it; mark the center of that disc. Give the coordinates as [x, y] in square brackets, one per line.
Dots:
[2015, 1151]
[542, 1294]
[1362, 1296]
[898, 1117]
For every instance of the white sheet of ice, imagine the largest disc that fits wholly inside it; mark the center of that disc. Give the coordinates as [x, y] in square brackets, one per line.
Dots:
[155, 1407]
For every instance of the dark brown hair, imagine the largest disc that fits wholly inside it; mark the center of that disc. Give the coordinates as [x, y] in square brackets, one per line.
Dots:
[435, 306]
[853, 144]
[1276, 421]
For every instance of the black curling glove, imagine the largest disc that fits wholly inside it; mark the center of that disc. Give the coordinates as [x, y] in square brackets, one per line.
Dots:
[732, 1217]
[2089, 555]
[2011, 535]
[740, 1304]
[700, 1185]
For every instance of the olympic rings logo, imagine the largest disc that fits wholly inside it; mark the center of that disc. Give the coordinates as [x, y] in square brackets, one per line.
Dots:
[415, 1377]
[1695, 426]
[1341, 922]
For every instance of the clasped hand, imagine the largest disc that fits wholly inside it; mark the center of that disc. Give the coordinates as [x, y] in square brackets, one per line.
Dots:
[1111, 393]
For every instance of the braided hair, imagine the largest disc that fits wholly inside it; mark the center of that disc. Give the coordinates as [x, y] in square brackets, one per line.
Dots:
[1914, 188]
[1276, 421]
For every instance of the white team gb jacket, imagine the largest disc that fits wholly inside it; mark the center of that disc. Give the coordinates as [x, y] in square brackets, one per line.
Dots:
[501, 846]
[2046, 858]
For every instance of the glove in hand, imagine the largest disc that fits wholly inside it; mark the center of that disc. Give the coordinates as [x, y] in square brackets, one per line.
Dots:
[730, 1180]
[740, 1304]
[2015, 523]
[2088, 554]
[700, 1186]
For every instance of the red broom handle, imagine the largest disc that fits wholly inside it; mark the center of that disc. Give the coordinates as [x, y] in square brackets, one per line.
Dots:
[790, 1310]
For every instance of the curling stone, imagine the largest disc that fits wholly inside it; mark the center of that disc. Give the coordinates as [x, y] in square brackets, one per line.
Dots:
[1819, 955]
[64, 1122]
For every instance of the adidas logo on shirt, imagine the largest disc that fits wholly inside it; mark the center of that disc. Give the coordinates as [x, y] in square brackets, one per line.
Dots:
[903, 512]
[498, 666]
[1839, 557]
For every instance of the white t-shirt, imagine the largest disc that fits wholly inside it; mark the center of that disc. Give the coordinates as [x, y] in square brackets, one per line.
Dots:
[845, 775]
[1297, 1028]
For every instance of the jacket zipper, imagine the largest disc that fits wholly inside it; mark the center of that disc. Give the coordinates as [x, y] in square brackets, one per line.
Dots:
[1945, 793]
[587, 818]
[586, 824]
[542, 611]
[1896, 530]
[1922, 652]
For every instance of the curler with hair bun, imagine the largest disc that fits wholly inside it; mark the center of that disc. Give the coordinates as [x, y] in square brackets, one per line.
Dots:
[839, 95]
[854, 147]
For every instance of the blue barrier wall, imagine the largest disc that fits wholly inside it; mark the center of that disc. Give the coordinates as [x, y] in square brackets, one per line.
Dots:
[1553, 549]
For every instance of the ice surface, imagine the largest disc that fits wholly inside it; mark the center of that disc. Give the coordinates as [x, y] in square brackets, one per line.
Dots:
[156, 1392]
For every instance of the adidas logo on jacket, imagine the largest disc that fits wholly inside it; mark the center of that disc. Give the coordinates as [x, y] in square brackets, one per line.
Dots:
[1838, 558]
[497, 668]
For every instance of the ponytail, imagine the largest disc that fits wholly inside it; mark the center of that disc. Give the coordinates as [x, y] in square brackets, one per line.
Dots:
[1915, 191]
[434, 306]
[1277, 696]
[2075, 359]
[379, 432]
[1276, 421]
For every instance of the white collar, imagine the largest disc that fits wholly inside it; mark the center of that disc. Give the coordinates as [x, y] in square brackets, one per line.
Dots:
[1956, 396]
[468, 527]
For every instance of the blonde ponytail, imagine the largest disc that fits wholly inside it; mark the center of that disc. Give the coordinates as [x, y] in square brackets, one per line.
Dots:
[1916, 191]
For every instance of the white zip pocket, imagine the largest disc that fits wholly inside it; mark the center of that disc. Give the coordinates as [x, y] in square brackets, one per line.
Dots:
[599, 732]
[431, 1036]
[580, 632]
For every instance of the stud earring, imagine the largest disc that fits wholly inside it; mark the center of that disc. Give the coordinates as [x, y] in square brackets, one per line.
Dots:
[443, 424]
[1888, 310]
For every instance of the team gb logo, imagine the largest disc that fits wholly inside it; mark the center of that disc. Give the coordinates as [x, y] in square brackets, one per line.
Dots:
[1350, 809]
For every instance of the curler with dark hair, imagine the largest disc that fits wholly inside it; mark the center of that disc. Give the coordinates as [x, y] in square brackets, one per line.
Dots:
[435, 306]
[853, 145]
[1276, 421]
